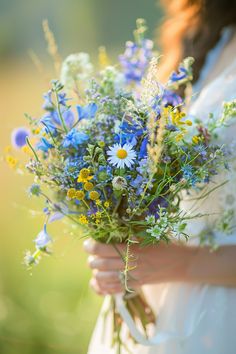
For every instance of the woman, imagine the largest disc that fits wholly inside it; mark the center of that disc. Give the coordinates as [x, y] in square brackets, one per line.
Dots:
[182, 282]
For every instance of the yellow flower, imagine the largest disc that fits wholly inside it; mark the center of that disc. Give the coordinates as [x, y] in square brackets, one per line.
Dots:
[79, 195]
[179, 137]
[88, 186]
[98, 221]
[83, 219]
[84, 175]
[26, 149]
[36, 131]
[196, 139]
[98, 202]
[7, 149]
[188, 122]
[98, 214]
[71, 193]
[94, 195]
[106, 204]
[11, 161]
[101, 144]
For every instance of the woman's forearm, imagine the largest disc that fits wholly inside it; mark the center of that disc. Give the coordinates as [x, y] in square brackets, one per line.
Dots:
[211, 267]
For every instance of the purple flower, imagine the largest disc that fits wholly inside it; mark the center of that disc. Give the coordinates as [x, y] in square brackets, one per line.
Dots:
[18, 137]
[74, 139]
[43, 239]
[135, 59]
[88, 111]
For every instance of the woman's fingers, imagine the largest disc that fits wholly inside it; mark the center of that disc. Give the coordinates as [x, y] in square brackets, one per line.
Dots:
[111, 277]
[104, 288]
[105, 264]
[103, 250]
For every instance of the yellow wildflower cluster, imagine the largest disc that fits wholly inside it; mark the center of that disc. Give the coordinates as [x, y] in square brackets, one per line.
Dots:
[97, 217]
[84, 175]
[196, 139]
[177, 118]
[83, 220]
[26, 149]
[72, 193]
[88, 186]
[106, 204]
[11, 161]
[94, 195]
[36, 131]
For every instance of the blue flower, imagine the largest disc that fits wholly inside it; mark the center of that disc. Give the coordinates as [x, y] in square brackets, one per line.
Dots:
[135, 59]
[143, 148]
[180, 75]
[18, 137]
[189, 175]
[51, 119]
[43, 239]
[44, 145]
[35, 189]
[74, 139]
[88, 111]
[48, 104]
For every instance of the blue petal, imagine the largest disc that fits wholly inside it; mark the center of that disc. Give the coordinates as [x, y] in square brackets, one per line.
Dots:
[88, 111]
[44, 145]
[43, 238]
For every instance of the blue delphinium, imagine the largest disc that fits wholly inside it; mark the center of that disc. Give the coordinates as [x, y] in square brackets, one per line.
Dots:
[18, 137]
[74, 138]
[44, 145]
[180, 75]
[87, 111]
[135, 59]
[52, 120]
[49, 105]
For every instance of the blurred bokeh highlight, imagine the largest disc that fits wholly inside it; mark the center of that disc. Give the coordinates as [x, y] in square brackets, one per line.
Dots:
[51, 309]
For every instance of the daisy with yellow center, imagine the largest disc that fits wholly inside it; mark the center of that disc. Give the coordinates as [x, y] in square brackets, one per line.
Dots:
[121, 156]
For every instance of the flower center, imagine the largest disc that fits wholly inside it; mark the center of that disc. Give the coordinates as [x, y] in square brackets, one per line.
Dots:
[121, 153]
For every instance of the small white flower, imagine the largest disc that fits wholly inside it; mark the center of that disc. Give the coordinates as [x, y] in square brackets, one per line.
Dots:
[119, 183]
[76, 67]
[121, 156]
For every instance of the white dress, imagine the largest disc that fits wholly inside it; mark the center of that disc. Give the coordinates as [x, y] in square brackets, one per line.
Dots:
[177, 304]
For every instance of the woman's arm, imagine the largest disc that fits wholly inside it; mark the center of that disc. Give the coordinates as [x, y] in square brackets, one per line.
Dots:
[159, 264]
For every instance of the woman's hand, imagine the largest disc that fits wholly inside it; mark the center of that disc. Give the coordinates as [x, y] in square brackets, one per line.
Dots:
[159, 264]
[151, 264]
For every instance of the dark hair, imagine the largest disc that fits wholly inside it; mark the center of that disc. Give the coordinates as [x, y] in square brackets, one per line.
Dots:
[192, 28]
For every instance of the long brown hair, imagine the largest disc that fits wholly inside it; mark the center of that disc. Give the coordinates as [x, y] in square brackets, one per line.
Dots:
[192, 28]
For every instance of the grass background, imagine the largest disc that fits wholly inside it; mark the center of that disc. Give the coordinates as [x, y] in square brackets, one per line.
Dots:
[53, 309]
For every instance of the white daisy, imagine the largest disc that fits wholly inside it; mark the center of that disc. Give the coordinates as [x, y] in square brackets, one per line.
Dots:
[121, 156]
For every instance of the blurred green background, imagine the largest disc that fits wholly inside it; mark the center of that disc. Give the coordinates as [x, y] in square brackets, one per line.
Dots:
[53, 309]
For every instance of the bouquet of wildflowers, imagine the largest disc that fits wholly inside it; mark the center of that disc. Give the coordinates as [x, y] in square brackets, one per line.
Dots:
[119, 156]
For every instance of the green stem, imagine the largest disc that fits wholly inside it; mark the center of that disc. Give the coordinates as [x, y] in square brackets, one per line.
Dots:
[60, 114]
[32, 149]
